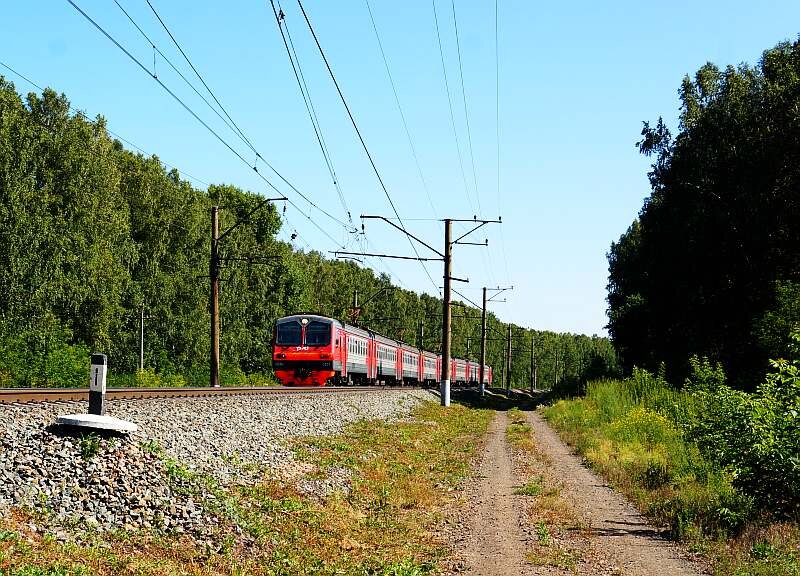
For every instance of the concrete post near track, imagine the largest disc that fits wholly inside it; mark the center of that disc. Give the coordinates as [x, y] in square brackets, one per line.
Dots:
[446, 315]
[483, 344]
[97, 384]
[96, 419]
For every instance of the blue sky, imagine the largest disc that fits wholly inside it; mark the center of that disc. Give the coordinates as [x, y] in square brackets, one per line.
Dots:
[576, 81]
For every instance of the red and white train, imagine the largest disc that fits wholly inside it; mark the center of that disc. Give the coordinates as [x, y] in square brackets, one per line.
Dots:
[313, 350]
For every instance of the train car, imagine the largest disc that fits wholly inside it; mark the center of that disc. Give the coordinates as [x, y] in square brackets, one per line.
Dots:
[459, 371]
[357, 346]
[410, 364]
[314, 350]
[303, 350]
[473, 372]
[429, 368]
[386, 359]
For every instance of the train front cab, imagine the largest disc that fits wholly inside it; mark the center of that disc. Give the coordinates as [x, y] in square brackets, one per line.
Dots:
[304, 349]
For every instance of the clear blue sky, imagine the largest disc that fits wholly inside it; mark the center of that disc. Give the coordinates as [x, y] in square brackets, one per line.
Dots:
[576, 81]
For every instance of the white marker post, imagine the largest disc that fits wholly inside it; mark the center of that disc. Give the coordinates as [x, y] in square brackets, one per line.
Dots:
[96, 419]
[97, 384]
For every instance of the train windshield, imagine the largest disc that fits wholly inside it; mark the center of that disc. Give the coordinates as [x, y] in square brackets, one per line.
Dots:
[318, 333]
[288, 334]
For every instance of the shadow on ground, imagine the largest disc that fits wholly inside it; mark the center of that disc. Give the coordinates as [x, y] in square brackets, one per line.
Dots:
[496, 398]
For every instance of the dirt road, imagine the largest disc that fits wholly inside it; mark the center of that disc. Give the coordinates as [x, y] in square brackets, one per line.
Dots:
[575, 525]
[495, 542]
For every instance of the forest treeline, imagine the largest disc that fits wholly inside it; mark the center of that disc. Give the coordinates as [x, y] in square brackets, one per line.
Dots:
[92, 234]
[711, 266]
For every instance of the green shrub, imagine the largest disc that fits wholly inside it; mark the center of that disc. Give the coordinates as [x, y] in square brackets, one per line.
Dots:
[756, 436]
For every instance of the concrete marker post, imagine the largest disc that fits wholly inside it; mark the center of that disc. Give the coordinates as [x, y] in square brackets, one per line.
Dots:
[97, 384]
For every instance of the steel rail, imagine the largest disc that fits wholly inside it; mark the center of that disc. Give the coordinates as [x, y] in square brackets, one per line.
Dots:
[25, 395]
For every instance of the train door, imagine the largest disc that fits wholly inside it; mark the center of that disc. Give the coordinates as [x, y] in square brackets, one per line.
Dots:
[342, 346]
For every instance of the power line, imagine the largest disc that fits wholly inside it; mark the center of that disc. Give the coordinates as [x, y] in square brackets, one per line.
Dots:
[179, 73]
[497, 119]
[466, 114]
[400, 109]
[360, 137]
[114, 134]
[312, 113]
[178, 46]
[258, 155]
[450, 106]
[211, 130]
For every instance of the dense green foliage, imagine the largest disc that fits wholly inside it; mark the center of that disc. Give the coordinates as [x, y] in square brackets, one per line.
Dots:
[755, 436]
[93, 234]
[712, 266]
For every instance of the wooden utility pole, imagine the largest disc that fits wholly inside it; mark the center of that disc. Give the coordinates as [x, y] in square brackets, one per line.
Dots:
[214, 300]
[446, 314]
[533, 362]
[483, 344]
[214, 266]
[445, 257]
[508, 360]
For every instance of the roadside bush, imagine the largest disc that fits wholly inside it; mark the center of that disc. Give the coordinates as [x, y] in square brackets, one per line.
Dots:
[756, 436]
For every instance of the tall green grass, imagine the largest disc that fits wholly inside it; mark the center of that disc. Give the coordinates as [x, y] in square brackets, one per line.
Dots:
[632, 432]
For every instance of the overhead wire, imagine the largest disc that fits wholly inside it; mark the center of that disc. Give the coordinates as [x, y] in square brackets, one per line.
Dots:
[258, 155]
[466, 113]
[309, 104]
[178, 46]
[497, 120]
[217, 136]
[361, 139]
[300, 78]
[450, 106]
[400, 109]
[182, 76]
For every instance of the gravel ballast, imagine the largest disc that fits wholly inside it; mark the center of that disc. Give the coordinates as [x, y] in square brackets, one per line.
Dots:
[134, 482]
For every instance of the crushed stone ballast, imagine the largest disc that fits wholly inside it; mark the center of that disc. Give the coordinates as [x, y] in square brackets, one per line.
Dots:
[23, 395]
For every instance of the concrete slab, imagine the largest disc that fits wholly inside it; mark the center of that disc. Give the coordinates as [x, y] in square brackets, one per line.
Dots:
[108, 423]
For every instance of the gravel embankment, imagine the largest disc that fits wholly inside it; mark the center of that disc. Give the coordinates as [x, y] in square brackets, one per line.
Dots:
[126, 484]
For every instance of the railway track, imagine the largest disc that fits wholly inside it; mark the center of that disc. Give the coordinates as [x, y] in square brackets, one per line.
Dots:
[24, 395]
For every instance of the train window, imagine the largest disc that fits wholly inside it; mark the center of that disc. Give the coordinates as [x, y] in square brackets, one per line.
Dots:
[288, 334]
[318, 333]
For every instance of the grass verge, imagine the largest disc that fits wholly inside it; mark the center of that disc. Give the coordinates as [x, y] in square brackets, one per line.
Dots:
[401, 473]
[626, 431]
